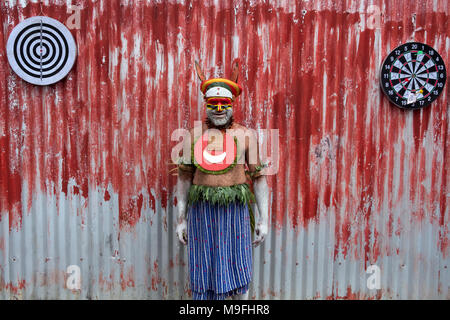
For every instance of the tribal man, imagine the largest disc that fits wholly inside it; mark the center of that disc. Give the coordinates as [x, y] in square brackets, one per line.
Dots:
[214, 213]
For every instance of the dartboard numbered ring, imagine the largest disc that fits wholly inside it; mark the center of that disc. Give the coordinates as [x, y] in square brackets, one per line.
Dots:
[41, 50]
[413, 75]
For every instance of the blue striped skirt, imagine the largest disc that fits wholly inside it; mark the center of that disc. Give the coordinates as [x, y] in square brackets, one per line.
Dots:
[219, 250]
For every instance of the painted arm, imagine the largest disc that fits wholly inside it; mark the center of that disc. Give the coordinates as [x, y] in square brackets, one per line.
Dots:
[261, 190]
[183, 185]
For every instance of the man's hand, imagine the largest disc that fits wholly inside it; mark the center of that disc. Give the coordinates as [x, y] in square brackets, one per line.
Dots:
[261, 231]
[182, 231]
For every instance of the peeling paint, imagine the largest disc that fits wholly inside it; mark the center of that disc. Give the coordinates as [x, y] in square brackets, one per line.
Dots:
[84, 163]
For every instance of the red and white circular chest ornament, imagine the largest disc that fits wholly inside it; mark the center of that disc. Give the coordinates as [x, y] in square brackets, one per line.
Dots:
[216, 153]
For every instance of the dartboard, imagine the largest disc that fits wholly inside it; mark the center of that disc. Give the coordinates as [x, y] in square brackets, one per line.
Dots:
[41, 50]
[413, 75]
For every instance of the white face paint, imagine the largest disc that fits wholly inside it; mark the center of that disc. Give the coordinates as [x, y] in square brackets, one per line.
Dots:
[219, 118]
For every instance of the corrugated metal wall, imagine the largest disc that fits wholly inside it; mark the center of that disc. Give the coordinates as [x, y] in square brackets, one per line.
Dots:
[85, 163]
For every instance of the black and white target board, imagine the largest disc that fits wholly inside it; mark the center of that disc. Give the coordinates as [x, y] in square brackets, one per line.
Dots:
[413, 75]
[41, 50]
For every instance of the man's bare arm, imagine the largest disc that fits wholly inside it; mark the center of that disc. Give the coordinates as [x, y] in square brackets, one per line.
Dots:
[183, 185]
[261, 190]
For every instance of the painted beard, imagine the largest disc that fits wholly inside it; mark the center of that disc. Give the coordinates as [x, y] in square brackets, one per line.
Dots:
[221, 119]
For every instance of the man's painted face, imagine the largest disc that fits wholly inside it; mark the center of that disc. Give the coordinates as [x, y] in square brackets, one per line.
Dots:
[219, 110]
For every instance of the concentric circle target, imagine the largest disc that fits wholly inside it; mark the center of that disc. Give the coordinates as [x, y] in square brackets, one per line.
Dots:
[413, 75]
[41, 50]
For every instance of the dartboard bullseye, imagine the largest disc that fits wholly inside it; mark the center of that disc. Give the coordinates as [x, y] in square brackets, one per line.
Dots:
[413, 75]
[41, 50]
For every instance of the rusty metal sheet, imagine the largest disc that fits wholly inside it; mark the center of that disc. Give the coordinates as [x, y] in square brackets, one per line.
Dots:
[84, 163]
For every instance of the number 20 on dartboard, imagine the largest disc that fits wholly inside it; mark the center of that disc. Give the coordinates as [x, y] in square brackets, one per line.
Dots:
[413, 75]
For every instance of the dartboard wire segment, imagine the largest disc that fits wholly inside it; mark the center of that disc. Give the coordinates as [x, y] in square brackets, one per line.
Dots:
[41, 50]
[413, 75]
